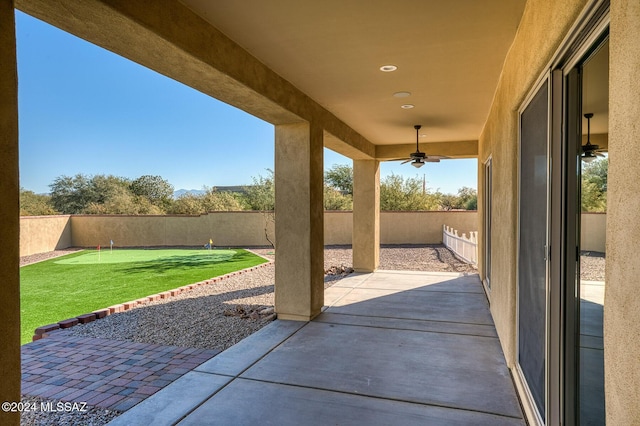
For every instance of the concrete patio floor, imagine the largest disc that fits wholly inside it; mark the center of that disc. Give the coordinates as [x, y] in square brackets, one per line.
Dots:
[389, 348]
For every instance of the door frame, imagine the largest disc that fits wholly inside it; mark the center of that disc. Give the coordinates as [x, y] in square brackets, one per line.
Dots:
[571, 217]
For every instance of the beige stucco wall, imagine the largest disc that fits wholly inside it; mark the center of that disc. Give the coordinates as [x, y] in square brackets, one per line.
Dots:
[423, 227]
[544, 24]
[45, 233]
[224, 228]
[338, 227]
[593, 233]
[39, 234]
[402, 227]
[622, 292]
[9, 214]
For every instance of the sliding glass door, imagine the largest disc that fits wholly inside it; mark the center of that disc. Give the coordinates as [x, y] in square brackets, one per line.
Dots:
[587, 118]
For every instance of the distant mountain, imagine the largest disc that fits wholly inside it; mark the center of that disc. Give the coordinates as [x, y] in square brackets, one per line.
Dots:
[181, 192]
[236, 188]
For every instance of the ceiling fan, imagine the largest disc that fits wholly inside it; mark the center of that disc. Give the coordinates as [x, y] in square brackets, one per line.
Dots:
[590, 151]
[418, 159]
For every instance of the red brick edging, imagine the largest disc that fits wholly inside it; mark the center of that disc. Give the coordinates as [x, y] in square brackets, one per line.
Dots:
[43, 331]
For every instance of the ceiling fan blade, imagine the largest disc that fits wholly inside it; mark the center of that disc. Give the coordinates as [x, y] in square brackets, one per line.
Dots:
[439, 157]
[419, 158]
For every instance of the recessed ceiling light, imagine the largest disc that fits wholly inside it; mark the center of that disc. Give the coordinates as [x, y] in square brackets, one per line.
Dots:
[401, 94]
[407, 106]
[388, 68]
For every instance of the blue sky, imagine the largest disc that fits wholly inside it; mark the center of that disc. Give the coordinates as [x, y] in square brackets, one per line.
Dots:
[85, 110]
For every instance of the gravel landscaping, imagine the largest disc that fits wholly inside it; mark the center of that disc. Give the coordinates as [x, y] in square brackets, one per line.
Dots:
[219, 315]
[592, 266]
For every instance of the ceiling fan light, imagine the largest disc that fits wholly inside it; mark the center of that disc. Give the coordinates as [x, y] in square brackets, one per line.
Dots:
[588, 157]
[401, 94]
[417, 164]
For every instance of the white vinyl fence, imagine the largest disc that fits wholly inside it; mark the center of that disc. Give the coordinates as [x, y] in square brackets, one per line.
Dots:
[465, 248]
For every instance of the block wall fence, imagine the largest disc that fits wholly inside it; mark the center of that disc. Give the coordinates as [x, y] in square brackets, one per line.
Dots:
[40, 234]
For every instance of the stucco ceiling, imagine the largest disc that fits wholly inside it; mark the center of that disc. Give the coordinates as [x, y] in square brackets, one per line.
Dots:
[449, 56]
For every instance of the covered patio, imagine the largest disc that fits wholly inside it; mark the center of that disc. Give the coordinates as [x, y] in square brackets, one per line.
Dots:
[390, 347]
[355, 77]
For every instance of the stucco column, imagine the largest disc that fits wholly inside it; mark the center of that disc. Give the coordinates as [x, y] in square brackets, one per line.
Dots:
[9, 216]
[299, 289]
[622, 291]
[366, 215]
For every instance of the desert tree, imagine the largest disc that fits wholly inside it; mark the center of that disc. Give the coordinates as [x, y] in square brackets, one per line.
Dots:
[340, 177]
[32, 204]
[157, 190]
[261, 196]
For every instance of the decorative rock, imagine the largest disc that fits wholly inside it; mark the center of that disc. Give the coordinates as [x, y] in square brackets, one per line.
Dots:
[267, 311]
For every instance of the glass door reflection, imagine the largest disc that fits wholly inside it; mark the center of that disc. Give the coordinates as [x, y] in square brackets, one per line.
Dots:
[593, 188]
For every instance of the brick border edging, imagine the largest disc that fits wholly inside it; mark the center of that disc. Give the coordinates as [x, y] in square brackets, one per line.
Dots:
[42, 332]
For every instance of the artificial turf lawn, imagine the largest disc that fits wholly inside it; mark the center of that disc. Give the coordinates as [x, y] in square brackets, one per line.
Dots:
[82, 282]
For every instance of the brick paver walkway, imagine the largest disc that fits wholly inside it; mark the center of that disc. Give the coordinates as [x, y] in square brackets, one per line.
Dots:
[111, 374]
